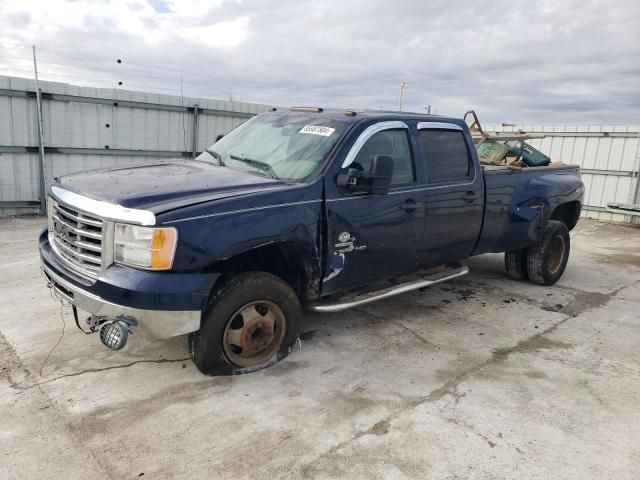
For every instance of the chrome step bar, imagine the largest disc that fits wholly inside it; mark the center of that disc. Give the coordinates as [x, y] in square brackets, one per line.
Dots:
[338, 305]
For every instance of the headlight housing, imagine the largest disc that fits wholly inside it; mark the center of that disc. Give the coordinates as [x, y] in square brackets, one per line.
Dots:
[151, 248]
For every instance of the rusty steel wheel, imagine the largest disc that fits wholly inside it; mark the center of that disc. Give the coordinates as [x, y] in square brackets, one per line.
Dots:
[254, 333]
[556, 254]
[251, 322]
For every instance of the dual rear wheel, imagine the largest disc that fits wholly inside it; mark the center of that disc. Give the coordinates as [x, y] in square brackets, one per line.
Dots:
[542, 263]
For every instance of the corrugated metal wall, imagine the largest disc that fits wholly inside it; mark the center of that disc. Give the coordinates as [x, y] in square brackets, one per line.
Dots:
[609, 157]
[87, 128]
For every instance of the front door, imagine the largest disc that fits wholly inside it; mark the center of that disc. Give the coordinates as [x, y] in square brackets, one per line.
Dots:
[372, 237]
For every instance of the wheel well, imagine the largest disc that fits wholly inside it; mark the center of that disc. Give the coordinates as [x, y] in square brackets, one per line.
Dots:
[567, 213]
[295, 263]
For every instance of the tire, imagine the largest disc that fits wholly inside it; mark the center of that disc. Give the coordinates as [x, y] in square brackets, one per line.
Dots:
[252, 322]
[515, 262]
[547, 259]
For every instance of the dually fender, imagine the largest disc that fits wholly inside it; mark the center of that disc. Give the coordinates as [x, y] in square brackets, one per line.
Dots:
[540, 196]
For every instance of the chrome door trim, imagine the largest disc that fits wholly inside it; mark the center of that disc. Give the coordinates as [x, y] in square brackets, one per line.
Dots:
[442, 125]
[367, 134]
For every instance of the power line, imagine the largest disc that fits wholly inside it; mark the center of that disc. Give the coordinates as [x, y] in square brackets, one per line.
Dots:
[72, 77]
[111, 71]
[260, 93]
[111, 61]
[199, 74]
[196, 89]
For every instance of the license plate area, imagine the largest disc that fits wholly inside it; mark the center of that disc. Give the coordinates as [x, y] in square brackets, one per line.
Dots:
[59, 290]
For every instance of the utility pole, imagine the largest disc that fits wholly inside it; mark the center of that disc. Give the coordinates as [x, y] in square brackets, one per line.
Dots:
[194, 139]
[428, 109]
[403, 87]
[43, 166]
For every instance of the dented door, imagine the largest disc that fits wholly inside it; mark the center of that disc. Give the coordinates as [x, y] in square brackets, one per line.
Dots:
[372, 237]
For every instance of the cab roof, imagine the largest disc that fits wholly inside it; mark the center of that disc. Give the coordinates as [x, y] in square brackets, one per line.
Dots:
[351, 115]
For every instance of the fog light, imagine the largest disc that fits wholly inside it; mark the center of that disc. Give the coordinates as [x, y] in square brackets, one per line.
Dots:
[114, 334]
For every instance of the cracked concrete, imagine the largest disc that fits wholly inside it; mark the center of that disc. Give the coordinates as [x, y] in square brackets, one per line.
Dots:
[482, 377]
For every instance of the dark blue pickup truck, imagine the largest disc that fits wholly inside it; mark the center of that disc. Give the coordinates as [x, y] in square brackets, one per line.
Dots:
[302, 208]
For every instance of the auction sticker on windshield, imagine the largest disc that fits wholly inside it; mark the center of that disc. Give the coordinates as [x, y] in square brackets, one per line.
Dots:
[317, 130]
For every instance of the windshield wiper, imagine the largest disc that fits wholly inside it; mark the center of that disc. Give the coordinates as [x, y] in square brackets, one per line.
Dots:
[215, 155]
[256, 163]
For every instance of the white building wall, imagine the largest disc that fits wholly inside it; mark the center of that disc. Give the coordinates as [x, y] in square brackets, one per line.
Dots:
[109, 127]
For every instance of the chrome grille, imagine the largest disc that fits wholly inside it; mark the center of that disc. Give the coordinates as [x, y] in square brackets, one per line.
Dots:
[77, 237]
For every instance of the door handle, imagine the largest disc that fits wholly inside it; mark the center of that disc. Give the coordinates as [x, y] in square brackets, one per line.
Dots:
[409, 206]
[470, 196]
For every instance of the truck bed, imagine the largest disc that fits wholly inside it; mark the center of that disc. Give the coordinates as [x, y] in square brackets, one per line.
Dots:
[518, 202]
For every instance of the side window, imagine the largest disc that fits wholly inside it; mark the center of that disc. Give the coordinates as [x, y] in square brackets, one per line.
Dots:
[395, 144]
[446, 155]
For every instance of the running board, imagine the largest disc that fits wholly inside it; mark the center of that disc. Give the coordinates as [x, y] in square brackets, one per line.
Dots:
[339, 305]
[624, 208]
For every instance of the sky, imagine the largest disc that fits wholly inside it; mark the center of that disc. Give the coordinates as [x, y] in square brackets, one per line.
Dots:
[543, 62]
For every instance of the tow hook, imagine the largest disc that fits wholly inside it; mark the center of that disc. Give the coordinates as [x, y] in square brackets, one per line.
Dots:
[114, 333]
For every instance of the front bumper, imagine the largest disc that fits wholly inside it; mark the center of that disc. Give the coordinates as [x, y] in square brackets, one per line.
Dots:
[163, 304]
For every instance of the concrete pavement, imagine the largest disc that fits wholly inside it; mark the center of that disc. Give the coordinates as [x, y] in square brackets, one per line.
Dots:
[482, 377]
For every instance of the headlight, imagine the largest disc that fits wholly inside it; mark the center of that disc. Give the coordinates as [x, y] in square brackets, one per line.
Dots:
[145, 247]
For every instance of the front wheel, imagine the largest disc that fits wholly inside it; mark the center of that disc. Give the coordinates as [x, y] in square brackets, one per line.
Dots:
[547, 259]
[251, 323]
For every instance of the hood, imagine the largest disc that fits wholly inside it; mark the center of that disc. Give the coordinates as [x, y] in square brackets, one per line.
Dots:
[166, 186]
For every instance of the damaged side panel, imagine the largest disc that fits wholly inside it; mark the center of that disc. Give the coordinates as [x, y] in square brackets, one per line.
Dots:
[371, 237]
[282, 239]
[519, 205]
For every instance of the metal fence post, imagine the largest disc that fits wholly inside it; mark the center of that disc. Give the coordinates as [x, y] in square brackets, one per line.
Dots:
[43, 165]
[635, 198]
[194, 145]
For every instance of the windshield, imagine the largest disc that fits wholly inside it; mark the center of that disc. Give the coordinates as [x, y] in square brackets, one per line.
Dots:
[289, 147]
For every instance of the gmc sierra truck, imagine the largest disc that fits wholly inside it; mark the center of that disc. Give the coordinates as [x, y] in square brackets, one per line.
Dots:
[301, 208]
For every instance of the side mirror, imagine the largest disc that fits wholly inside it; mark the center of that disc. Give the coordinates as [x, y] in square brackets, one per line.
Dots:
[376, 181]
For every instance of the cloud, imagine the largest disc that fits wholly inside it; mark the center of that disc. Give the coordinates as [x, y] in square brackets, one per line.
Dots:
[536, 61]
[229, 33]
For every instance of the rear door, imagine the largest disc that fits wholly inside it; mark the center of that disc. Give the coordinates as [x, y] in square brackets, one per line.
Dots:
[371, 237]
[454, 194]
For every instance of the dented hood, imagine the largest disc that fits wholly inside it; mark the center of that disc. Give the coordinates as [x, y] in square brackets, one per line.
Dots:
[166, 186]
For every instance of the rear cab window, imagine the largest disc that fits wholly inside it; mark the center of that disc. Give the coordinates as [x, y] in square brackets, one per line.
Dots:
[446, 155]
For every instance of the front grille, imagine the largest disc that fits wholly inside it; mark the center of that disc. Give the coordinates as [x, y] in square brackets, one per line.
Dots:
[77, 237]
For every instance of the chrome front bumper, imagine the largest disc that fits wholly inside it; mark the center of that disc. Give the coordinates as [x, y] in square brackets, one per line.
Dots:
[156, 324]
